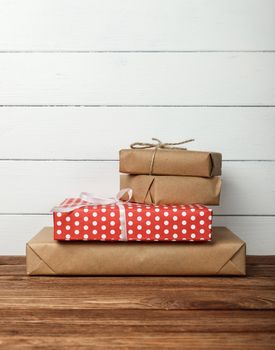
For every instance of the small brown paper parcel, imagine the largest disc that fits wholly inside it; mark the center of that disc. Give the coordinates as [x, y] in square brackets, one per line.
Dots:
[173, 189]
[224, 255]
[171, 161]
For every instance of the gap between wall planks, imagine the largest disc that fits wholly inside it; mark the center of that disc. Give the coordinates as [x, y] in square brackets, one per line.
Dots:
[215, 31]
[52, 181]
[22, 131]
[248, 187]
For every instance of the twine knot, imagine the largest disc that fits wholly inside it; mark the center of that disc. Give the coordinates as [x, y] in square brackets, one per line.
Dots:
[158, 144]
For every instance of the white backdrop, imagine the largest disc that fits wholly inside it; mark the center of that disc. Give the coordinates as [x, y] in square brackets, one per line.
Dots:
[81, 79]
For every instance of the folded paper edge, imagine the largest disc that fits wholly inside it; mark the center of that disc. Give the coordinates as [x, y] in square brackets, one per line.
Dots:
[216, 160]
[35, 264]
[233, 266]
[133, 180]
[149, 192]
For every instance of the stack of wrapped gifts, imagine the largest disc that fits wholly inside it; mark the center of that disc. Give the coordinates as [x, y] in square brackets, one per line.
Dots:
[158, 224]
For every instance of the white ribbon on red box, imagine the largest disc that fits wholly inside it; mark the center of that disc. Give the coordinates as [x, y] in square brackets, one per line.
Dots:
[91, 200]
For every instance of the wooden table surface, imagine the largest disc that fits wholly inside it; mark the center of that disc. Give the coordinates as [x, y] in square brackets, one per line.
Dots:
[137, 312]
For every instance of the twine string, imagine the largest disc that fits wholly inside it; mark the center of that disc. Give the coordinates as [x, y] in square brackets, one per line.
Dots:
[158, 144]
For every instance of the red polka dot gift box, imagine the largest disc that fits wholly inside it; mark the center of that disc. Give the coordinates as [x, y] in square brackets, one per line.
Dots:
[131, 222]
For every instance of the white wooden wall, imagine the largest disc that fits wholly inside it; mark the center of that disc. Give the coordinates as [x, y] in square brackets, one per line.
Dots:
[81, 79]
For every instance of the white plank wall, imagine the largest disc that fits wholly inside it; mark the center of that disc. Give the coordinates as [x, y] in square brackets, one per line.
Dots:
[243, 193]
[139, 25]
[138, 79]
[80, 80]
[99, 132]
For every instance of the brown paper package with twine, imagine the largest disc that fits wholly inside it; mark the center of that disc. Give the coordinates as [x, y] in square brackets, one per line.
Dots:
[167, 159]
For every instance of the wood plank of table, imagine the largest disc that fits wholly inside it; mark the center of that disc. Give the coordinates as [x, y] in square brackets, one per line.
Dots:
[137, 312]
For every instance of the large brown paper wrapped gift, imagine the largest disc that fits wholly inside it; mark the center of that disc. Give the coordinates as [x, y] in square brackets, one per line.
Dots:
[224, 255]
[170, 162]
[173, 189]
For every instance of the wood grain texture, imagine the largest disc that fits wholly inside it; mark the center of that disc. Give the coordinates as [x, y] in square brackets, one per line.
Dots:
[98, 133]
[137, 79]
[137, 25]
[145, 340]
[164, 312]
[248, 187]
[256, 260]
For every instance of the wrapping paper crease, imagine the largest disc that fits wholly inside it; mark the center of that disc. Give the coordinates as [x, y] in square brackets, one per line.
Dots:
[225, 255]
[173, 189]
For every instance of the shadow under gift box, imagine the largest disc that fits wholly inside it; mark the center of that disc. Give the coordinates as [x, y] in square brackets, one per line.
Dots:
[224, 255]
[161, 189]
[132, 222]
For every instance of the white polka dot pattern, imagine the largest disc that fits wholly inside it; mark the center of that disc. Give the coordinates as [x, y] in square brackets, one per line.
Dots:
[143, 222]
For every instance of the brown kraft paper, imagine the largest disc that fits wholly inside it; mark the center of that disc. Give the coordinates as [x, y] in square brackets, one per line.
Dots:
[170, 162]
[173, 189]
[224, 255]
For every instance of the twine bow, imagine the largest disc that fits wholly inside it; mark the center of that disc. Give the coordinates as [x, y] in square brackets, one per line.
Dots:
[157, 145]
